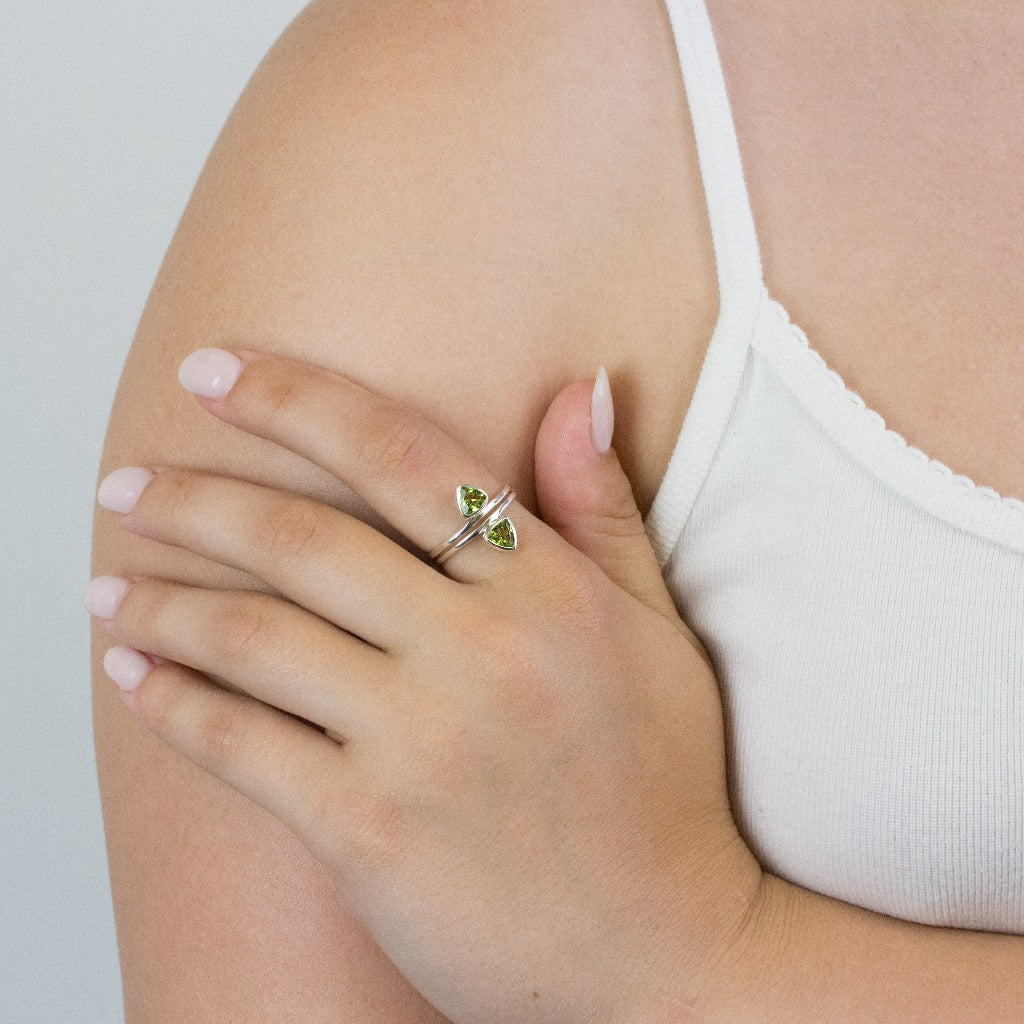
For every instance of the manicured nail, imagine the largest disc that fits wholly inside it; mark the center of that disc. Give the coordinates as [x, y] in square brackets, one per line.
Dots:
[126, 666]
[210, 372]
[120, 490]
[602, 416]
[103, 595]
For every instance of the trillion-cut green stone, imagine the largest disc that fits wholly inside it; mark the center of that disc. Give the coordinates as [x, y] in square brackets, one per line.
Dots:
[471, 499]
[502, 535]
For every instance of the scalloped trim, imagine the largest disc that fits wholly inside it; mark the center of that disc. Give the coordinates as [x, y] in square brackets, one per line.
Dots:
[1006, 513]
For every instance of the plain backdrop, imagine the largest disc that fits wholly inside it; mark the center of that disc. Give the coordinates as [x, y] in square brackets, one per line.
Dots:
[108, 109]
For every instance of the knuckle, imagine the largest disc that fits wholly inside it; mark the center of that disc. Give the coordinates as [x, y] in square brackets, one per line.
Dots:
[281, 393]
[238, 625]
[176, 489]
[295, 531]
[145, 613]
[523, 652]
[220, 734]
[193, 718]
[163, 704]
[400, 444]
[515, 658]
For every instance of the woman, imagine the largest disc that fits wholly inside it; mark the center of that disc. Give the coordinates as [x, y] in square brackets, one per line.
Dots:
[403, 195]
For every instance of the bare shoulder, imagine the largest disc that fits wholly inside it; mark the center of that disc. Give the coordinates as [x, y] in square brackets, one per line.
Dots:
[462, 205]
[403, 189]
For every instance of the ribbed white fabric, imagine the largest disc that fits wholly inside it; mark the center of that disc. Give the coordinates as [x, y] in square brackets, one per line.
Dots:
[862, 603]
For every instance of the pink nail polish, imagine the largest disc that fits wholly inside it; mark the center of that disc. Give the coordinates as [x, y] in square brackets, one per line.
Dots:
[126, 666]
[103, 595]
[210, 372]
[120, 490]
[602, 416]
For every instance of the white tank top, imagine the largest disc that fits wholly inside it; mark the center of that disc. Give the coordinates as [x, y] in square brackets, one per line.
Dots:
[863, 604]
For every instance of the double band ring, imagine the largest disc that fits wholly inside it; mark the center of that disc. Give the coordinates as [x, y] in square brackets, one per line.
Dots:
[484, 516]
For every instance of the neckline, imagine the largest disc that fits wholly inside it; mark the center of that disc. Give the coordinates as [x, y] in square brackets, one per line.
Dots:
[862, 432]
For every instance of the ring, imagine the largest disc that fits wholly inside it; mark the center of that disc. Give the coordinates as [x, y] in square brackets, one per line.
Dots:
[484, 517]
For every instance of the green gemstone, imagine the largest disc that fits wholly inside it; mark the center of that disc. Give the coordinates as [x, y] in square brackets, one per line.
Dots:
[502, 535]
[470, 499]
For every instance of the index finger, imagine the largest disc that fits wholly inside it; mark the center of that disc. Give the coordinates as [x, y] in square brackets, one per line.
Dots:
[401, 463]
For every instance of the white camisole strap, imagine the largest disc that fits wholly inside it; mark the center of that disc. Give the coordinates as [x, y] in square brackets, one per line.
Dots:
[738, 265]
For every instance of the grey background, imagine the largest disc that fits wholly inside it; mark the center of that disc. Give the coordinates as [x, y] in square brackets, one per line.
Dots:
[108, 109]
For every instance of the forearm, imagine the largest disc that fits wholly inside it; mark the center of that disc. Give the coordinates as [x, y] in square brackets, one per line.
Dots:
[810, 958]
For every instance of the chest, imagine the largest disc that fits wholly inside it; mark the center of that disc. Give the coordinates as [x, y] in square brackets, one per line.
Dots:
[883, 162]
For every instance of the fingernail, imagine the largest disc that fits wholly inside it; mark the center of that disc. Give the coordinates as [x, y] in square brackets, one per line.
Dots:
[120, 490]
[103, 595]
[602, 416]
[126, 666]
[210, 372]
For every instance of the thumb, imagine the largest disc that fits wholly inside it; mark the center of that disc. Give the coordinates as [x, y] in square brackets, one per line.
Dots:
[583, 493]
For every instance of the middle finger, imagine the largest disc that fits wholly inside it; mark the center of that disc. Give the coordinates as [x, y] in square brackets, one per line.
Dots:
[322, 558]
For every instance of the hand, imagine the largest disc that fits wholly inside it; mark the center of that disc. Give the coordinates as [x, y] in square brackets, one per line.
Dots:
[514, 769]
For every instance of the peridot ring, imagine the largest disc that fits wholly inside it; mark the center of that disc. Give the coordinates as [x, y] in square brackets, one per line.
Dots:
[484, 517]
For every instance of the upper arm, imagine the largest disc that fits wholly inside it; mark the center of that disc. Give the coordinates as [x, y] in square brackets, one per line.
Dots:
[395, 198]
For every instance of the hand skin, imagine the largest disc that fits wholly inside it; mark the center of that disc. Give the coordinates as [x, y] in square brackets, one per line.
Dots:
[520, 787]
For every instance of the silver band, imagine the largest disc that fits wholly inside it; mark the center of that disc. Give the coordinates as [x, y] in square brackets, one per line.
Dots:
[489, 514]
[468, 525]
[481, 527]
